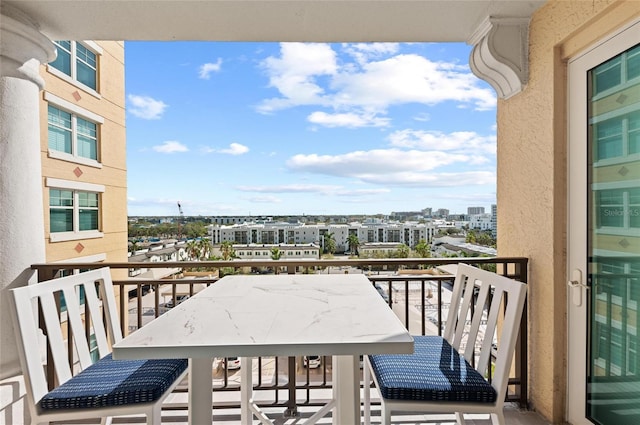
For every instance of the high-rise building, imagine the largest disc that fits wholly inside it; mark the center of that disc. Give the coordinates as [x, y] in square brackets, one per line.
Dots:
[475, 210]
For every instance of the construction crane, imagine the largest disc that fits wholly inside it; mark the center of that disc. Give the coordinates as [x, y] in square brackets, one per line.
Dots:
[180, 220]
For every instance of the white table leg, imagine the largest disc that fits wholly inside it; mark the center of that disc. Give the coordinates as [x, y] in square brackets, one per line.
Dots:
[200, 391]
[346, 389]
[246, 390]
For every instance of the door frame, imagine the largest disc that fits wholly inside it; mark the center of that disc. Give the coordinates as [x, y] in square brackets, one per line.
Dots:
[577, 124]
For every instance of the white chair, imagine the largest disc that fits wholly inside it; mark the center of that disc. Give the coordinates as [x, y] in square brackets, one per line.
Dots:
[99, 389]
[438, 377]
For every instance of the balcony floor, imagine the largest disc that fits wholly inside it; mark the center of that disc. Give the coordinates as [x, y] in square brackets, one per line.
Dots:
[513, 416]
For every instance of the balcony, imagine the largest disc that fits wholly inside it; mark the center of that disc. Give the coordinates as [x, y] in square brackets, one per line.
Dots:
[416, 290]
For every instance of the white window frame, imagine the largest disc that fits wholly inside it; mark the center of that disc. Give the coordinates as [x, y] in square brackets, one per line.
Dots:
[97, 50]
[75, 112]
[76, 187]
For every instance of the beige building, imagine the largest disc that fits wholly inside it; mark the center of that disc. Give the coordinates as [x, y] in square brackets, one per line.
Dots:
[83, 145]
[565, 72]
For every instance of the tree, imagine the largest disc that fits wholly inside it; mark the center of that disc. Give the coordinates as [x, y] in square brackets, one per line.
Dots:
[228, 253]
[402, 251]
[354, 243]
[205, 246]
[276, 254]
[193, 250]
[423, 249]
[329, 243]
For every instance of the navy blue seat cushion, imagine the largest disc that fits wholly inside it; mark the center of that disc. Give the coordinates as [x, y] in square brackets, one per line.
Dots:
[111, 382]
[434, 372]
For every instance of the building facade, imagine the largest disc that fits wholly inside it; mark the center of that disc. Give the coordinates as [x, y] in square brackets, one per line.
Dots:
[83, 152]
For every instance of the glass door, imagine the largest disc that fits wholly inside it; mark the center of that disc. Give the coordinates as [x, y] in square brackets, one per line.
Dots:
[604, 232]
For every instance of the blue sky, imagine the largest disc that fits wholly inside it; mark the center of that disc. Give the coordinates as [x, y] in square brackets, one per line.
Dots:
[229, 128]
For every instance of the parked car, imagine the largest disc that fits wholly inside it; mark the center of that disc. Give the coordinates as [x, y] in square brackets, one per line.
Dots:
[232, 363]
[312, 362]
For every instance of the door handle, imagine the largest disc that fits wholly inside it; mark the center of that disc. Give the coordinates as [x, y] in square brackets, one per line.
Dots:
[576, 286]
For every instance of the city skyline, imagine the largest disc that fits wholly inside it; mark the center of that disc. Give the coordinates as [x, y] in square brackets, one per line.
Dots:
[252, 129]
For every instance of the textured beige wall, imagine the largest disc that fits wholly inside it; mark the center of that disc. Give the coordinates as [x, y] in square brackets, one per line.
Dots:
[532, 194]
[111, 106]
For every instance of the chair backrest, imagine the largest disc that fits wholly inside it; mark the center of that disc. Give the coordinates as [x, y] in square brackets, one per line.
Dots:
[485, 305]
[89, 320]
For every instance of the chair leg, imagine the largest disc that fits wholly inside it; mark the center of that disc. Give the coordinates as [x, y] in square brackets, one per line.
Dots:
[385, 414]
[460, 418]
[154, 416]
[498, 418]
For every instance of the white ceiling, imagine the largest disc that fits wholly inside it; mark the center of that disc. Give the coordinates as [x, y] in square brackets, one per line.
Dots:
[268, 20]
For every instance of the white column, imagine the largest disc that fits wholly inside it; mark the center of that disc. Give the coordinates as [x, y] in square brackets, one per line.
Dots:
[23, 48]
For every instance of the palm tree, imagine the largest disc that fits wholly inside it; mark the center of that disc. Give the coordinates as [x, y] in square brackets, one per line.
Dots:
[193, 250]
[423, 250]
[276, 254]
[354, 243]
[329, 243]
[228, 253]
[204, 244]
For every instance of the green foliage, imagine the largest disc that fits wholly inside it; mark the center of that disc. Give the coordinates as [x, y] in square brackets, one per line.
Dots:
[423, 249]
[276, 254]
[354, 243]
[329, 243]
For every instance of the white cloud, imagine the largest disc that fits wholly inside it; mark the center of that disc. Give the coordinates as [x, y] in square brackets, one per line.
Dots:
[313, 189]
[363, 52]
[349, 120]
[171, 146]
[377, 161]
[264, 200]
[294, 74]
[377, 78]
[290, 188]
[233, 149]
[467, 141]
[146, 107]
[207, 69]
[413, 179]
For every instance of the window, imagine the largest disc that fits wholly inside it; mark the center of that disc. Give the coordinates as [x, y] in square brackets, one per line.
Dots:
[618, 208]
[72, 134]
[78, 62]
[72, 211]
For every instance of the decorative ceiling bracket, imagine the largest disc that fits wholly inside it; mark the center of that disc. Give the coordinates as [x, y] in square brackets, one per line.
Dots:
[500, 55]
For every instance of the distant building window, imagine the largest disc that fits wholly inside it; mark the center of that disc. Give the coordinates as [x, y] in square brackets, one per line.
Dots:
[73, 211]
[618, 208]
[78, 62]
[72, 134]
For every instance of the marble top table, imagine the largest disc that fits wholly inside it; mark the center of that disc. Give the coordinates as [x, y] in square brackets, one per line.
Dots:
[274, 315]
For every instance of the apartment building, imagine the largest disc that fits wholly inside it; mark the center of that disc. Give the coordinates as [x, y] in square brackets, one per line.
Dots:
[408, 233]
[83, 152]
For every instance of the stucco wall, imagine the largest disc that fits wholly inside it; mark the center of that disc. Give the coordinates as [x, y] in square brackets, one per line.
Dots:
[531, 188]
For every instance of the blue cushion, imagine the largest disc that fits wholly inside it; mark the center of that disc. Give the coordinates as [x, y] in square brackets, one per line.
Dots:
[111, 382]
[434, 372]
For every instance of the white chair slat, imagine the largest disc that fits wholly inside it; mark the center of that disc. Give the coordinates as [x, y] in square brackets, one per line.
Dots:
[476, 321]
[74, 318]
[55, 338]
[464, 311]
[493, 314]
[111, 313]
[93, 304]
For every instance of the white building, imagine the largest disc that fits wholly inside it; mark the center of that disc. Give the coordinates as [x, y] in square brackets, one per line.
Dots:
[408, 233]
[481, 222]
